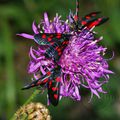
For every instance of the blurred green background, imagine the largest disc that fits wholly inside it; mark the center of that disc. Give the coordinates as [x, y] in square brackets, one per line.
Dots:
[16, 16]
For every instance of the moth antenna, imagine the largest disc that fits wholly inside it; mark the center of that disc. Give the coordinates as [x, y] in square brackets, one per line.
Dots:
[77, 8]
[77, 11]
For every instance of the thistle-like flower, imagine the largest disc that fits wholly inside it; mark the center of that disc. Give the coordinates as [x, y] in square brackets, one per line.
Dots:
[68, 57]
[82, 61]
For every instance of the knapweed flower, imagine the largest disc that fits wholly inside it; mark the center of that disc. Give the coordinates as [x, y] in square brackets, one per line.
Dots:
[81, 63]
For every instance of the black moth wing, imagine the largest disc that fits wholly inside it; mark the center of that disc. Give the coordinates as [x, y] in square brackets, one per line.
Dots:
[51, 80]
[54, 86]
[97, 22]
[91, 20]
[90, 15]
[49, 38]
[40, 82]
[55, 51]
[56, 43]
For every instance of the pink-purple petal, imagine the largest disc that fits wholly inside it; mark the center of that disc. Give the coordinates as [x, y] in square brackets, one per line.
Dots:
[25, 35]
[34, 28]
[46, 20]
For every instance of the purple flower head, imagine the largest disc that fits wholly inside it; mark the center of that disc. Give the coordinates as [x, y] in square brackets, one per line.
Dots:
[82, 63]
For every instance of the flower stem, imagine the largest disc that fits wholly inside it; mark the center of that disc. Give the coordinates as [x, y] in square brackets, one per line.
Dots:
[28, 101]
[32, 97]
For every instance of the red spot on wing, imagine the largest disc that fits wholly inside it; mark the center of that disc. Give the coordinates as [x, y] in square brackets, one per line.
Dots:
[33, 85]
[95, 23]
[58, 36]
[65, 42]
[84, 22]
[49, 39]
[46, 80]
[56, 96]
[43, 36]
[59, 53]
[39, 82]
[54, 88]
[94, 14]
[87, 17]
[75, 17]
[48, 73]
[58, 49]
[50, 83]
[58, 79]
[52, 43]
[42, 82]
